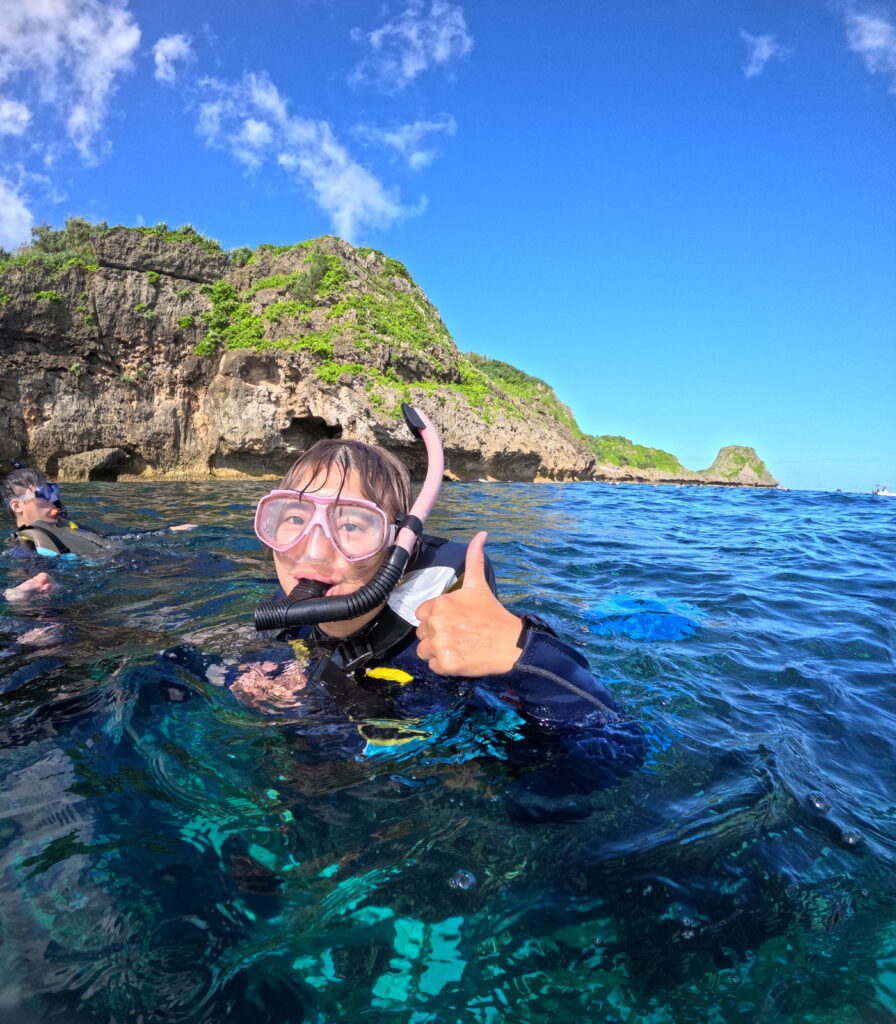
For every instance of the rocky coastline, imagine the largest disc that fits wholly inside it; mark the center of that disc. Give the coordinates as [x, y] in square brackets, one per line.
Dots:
[154, 358]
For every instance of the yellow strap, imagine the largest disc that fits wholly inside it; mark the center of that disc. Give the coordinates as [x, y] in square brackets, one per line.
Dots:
[392, 675]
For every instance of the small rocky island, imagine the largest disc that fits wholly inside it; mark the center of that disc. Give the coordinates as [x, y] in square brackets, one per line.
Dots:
[150, 353]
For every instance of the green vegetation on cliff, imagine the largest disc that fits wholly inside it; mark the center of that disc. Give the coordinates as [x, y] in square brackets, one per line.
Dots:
[620, 451]
[531, 392]
[230, 321]
[357, 300]
[185, 233]
[55, 249]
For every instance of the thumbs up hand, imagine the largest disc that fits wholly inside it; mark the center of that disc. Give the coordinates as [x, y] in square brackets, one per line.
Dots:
[468, 632]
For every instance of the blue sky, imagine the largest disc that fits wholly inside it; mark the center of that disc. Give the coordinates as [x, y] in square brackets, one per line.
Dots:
[680, 214]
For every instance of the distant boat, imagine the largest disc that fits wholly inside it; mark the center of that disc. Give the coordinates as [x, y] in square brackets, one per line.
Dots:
[884, 493]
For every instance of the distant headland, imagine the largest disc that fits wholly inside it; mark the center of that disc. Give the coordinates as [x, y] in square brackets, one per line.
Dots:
[151, 353]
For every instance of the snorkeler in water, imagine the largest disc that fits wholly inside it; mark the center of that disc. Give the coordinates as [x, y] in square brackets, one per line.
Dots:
[338, 525]
[42, 523]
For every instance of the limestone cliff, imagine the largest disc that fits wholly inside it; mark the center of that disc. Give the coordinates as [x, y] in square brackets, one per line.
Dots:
[727, 470]
[739, 466]
[155, 355]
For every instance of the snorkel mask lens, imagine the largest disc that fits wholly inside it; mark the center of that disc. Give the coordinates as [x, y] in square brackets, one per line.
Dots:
[47, 492]
[357, 529]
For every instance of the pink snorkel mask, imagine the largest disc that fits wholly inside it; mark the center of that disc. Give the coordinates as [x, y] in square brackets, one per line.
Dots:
[304, 605]
[357, 529]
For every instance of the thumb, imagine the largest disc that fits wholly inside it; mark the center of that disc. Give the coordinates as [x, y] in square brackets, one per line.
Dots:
[474, 567]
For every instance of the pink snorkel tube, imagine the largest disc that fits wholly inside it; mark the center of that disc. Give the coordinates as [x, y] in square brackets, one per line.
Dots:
[304, 605]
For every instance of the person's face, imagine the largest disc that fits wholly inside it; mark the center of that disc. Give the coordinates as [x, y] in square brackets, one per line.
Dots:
[28, 508]
[315, 558]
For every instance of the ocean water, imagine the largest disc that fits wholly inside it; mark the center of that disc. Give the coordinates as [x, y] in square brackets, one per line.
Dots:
[168, 855]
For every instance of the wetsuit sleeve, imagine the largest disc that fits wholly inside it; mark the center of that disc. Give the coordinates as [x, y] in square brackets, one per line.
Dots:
[573, 718]
[490, 576]
[554, 684]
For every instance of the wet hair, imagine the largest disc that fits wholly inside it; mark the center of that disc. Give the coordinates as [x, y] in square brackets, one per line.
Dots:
[383, 478]
[22, 479]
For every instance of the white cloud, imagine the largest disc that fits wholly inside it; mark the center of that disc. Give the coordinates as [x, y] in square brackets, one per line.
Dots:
[211, 114]
[266, 97]
[249, 143]
[408, 140]
[411, 43]
[760, 50]
[874, 38]
[69, 54]
[14, 117]
[167, 52]
[15, 217]
[256, 133]
[251, 120]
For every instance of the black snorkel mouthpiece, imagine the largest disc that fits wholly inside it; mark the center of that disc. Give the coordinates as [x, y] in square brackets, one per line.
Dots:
[304, 607]
[306, 590]
[269, 614]
[305, 610]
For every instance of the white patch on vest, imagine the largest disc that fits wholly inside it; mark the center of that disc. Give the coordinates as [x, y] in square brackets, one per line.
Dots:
[420, 586]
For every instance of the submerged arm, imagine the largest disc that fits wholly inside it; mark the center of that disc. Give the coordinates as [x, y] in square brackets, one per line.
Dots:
[572, 717]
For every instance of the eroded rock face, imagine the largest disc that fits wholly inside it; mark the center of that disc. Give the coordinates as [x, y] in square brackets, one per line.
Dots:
[100, 464]
[124, 249]
[101, 377]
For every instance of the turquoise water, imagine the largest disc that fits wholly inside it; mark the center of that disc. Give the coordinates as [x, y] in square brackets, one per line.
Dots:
[167, 855]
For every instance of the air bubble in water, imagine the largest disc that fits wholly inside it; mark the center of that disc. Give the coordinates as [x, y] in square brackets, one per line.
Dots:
[851, 837]
[820, 802]
[463, 880]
